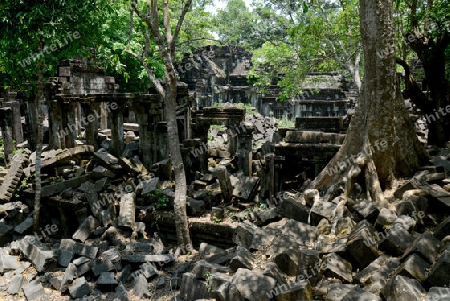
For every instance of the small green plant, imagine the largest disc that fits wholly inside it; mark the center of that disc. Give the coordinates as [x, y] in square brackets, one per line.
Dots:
[216, 219]
[207, 278]
[162, 201]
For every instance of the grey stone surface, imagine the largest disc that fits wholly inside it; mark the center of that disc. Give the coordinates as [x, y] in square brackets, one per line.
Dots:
[192, 289]
[127, 212]
[107, 282]
[203, 267]
[69, 275]
[195, 207]
[160, 259]
[8, 263]
[293, 209]
[25, 225]
[33, 290]
[140, 286]
[414, 267]
[299, 290]
[438, 294]
[288, 261]
[16, 284]
[242, 259]
[65, 253]
[443, 229]
[79, 288]
[253, 285]
[403, 288]
[439, 274]
[320, 210]
[86, 228]
[386, 217]
[228, 291]
[367, 210]
[397, 241]
[361, 244]
[301, 233]
[335, 266]
[426, 245]
[40, 255]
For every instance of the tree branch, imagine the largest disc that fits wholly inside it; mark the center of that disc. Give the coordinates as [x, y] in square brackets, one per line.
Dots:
[159, 87]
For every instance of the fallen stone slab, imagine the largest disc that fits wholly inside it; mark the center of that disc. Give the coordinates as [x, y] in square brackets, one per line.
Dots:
[337, 291]
[52, 189]
[438, 294]
[65, 252]
[203, 267]
[140, 286]
[133, 165]
[37, 253]
[359, 294]
[443, 229]
[108, 160]
[8, 263]
[253, 285]
[320, 210]
[86, 228]
[362, 245]
[69, 275]
[426, 245]
[439, 274]
[228, 291]
[403, 288]
[302, 233]
[245, 188]
[24, 226]
[293, 209]
[99, 266]
[414, 267]
[162, 259]
[242, 259]
[335, 266]
[15, 285]
[299, 290]
[192, 288]
[288, 261]
[397, 241]
[106, 282]
[79, 288]
[6, 232]
[33, 290]
[367, 210]
[127, 215]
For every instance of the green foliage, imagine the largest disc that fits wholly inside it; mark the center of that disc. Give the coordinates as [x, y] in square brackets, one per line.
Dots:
[247, 107]
[162, 201]
[216, 219]
[285, 122]
[319, 37]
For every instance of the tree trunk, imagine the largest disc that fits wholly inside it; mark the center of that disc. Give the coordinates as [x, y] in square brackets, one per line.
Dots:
[181, 220]
[380, 140]
[39, 140]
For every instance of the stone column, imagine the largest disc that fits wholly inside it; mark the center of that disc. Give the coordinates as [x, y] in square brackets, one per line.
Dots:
[56, 130]
[104, 117]
[7, 131]
[16, 122]
[32, 122]
[224, 182]
[245, 148]
[145, 136]
[68, 117]
[92, 111]
[116, 123]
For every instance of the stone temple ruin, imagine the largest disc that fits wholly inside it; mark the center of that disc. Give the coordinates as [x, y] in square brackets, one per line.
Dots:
[107, 191]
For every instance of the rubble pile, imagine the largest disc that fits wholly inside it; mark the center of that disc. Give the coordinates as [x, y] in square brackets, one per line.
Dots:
[314, 244]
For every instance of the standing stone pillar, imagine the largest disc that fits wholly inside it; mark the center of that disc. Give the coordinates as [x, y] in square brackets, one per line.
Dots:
[16, 121]
[78, 113]
[56, 130]
[70, 127]
[104, 117]
[32, 123]
[225, 183]
[145, 136]
[131, 116]
[7, 132]
[245, 149]
[116, 122]
[92, 111]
